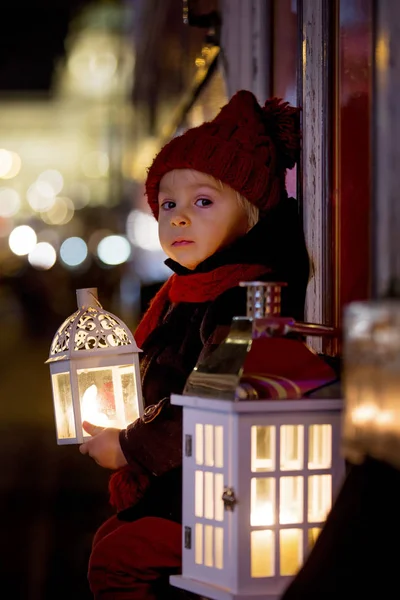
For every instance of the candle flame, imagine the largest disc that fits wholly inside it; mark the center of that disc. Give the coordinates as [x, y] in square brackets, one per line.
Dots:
[90, 408]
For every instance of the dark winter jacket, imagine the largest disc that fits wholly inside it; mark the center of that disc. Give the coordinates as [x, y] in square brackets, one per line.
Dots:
[187, 331]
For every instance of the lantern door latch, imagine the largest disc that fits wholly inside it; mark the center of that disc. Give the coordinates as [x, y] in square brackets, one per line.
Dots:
[229, 499]
[188, 445]
[188, 538]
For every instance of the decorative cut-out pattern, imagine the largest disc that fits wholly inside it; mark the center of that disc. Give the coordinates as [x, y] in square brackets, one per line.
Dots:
[94, 330]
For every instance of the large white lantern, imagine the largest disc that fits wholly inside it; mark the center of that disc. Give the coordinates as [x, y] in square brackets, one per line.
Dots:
[94, 369]
[261, 462]
[258, 482]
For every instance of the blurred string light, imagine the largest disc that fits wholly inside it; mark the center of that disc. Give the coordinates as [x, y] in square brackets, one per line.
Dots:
[60, 213]
[142, 230]
[73, 251]
[114, 250]
[10, 164]
[43, 256]
[95, 164]
[10, 202]
[22, 240]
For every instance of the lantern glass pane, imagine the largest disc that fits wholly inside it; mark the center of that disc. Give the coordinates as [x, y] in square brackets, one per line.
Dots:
[262, 553]
[63, 407]
[292, 447]
[198, 544]
[199, 444]
[320, 446]
[262, 501]
[209, 495]
[209, 445]
[219, 547]
[198, 494]
[219, 490]
[219, 446]
[208, 545]
[291, 550]
[313, 534]
[262, 448]
[319, 497]
[291, 500]
[108, 395]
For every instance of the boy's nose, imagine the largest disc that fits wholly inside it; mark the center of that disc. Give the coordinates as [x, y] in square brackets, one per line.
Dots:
[180, 221]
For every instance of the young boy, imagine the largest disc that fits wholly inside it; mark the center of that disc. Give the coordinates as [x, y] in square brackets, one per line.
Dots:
[218, 192]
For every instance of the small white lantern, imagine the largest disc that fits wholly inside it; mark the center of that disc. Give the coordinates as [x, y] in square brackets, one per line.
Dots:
[258, 482]
[261, 460]
[94, 369]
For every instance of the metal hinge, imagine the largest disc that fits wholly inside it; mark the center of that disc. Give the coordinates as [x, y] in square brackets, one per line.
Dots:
[188, 538]
[188, 445]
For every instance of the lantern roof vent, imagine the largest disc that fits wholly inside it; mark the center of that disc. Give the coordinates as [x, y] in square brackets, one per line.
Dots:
[91, 330]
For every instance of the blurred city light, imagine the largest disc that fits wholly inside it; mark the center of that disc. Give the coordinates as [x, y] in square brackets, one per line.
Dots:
[53, 179]
[40, 196]
[73, 251]
[10, 164]
[114, 250]
[142, 230]
[22, 240]
[95, 164]
[43, 256]
[60, 213]
[10, 202]
[79, 193]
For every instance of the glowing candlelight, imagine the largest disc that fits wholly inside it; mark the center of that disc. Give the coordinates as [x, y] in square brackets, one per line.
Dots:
[90, 408]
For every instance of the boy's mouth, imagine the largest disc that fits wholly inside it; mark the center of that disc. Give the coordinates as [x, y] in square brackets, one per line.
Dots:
[181, 242]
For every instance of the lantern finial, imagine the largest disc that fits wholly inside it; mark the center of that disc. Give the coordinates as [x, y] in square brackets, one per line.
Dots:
[87, 297]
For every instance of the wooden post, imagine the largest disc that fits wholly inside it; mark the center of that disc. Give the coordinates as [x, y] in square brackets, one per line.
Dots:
[386, 200]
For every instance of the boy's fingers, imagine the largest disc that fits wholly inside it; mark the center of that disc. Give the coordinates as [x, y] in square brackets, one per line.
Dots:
[83, 449]
[92, 429]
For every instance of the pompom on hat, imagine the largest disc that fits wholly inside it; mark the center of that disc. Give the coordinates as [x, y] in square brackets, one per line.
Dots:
[246, 146]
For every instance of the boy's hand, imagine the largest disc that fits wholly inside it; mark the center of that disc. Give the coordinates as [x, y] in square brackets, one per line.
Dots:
[104, 447]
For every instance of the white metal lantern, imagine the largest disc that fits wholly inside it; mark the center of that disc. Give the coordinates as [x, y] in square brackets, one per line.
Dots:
[261, 457]
[258, 481]
[94, 367]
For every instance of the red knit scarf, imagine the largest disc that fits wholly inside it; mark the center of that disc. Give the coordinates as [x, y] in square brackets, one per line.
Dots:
[128, 485]
[199, 287]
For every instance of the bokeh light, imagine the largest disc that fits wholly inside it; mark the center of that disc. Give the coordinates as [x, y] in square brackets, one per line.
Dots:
[43, 256]
[10, 164]
[95, 164]
[79, 193]
[53, 179]
[60, 213]
[22, 240]
[73, 251]
[40, 196]
[114, 250]
[142, 230]
[10, 202]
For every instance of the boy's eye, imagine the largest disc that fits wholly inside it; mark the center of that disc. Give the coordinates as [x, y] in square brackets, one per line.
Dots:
[203, 202]
[167, 205]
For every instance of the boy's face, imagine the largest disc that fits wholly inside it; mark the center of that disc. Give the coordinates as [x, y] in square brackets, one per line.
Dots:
[197, 216]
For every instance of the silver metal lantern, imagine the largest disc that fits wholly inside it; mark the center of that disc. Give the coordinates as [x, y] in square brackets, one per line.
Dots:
[94, 367]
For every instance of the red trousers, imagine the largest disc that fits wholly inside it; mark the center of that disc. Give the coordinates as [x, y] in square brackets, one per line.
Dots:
[132, 561]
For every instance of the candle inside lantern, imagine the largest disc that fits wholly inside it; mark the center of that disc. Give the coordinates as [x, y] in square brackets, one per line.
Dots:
[90, 408]
[291, 542]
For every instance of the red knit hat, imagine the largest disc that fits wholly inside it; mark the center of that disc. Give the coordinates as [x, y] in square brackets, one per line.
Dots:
[246, 146]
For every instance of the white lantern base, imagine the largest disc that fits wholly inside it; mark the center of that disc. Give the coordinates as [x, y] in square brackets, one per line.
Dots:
[212, 592]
